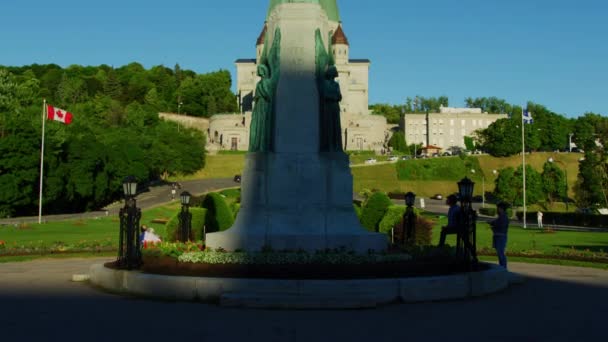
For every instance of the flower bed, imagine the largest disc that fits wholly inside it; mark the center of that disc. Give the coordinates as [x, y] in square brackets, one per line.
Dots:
[186, 260]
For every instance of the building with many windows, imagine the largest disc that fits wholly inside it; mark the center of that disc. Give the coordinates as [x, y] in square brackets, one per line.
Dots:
[446, 128]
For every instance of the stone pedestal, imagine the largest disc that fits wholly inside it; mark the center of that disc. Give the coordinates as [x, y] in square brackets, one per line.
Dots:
[296, 197]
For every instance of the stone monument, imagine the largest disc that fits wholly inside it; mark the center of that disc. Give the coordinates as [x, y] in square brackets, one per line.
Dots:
[297, 185]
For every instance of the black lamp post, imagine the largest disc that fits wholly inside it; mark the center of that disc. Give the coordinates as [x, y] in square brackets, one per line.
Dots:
[409, 218]
[129, 253]
[467, 239]
[185, 217]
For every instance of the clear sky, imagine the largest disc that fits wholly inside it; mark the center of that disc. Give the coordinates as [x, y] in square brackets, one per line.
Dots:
[553, 52]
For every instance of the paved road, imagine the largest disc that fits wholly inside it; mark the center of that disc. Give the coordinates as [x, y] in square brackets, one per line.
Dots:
[157, 195]
[38, 302]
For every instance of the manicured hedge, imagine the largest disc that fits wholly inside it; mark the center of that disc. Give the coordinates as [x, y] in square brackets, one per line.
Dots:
[393, 218]
[198, 223]
[568, 219]
[374, 210]
[219, 216]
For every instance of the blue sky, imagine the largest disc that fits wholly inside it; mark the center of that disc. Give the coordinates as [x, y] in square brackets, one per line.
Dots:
[552, 52]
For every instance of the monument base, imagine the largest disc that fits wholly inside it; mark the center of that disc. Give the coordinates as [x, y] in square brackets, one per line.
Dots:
[297, 202]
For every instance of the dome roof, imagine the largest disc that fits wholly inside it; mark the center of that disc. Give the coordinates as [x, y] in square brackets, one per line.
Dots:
[339, 37]
[330, 7]
[262, 36]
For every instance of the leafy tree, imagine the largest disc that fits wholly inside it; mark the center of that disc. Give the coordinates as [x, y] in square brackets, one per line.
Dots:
[554, 182]
[509, 186]
[398, 143]
[392, 113]
[469, 143]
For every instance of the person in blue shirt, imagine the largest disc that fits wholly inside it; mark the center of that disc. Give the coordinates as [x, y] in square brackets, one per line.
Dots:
[500, 226]
[453, 225]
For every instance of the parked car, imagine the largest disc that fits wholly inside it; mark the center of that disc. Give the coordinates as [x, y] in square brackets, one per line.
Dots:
[405, 158]
[437, 197]
[392, 158]
[370, 161]
[237, 178]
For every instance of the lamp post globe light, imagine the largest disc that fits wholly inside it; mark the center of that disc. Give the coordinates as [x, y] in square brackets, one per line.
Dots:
[185, 217]
[410, 199]
[129, 248]
[409, 219]
[465, 189]
[467, 235]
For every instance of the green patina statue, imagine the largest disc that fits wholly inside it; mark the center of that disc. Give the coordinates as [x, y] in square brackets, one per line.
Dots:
[261, 133]
[330, 131]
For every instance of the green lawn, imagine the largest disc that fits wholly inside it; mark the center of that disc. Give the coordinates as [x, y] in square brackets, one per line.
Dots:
[526, 240]
[384, 176]
[79, 233]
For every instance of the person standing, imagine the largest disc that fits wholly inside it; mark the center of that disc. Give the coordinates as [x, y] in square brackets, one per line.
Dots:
[453, 225]
[500, 226]
[539, 219]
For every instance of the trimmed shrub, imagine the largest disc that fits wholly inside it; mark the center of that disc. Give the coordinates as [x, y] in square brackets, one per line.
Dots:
[394, 219]
[424, 231]
[374, 210]
[219, 216]
[198, 223]
[393, 216]
[235, 207]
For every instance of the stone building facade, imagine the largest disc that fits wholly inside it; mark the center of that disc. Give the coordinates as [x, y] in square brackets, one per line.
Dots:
[361, 130]
[446, 128]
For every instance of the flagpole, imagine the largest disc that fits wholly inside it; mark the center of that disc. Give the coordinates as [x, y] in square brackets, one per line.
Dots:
[523, 158]
[41, 163]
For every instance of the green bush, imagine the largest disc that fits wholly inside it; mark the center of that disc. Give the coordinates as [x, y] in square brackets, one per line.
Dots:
[374, 210]
[219, 216]
[198, 223]
[393, 216]
[453, 169]
[393, 219]
[235, 207]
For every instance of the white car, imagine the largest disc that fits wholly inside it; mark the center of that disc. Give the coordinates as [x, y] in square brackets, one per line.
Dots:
[370, 161]
[392, 159]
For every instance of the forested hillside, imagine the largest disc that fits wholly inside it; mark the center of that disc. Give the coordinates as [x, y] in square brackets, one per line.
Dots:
[115, 131]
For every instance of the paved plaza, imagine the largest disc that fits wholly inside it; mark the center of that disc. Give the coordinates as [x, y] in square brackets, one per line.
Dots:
[39, 302]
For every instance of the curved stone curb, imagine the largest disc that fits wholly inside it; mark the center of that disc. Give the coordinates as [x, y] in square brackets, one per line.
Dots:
[302, 294]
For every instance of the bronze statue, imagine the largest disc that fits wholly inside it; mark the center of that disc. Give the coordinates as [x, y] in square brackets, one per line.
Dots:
[330, 131]
[261, 132]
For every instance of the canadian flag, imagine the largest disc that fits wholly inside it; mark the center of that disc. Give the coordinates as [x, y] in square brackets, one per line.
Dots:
[58, 114]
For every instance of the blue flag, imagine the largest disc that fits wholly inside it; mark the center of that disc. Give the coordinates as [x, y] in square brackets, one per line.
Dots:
[527, 117]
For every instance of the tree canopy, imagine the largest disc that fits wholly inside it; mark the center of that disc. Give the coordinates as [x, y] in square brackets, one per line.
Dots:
[116, 132]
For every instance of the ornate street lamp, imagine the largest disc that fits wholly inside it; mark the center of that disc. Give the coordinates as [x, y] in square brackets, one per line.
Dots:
[409, 219]
[185, 217]
[467, 237]
[129, 253]
[465, 189]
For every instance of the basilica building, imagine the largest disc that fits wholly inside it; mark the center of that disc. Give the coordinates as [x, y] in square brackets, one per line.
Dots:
[360, 129]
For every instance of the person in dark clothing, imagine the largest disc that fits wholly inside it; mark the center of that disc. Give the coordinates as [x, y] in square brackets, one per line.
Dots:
[453, 225]
[500, 226]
